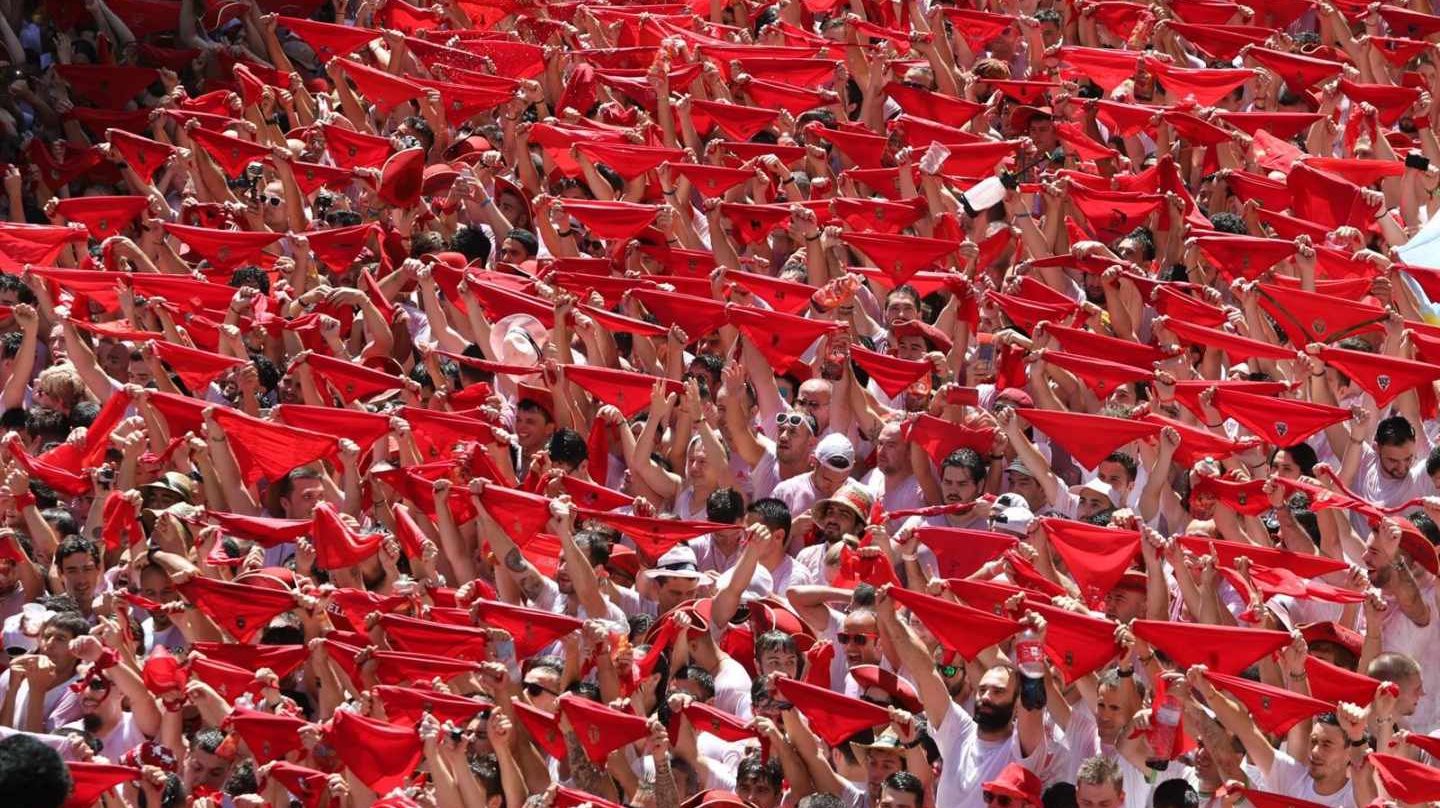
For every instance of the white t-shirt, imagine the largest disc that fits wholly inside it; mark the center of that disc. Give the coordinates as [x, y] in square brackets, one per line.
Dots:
[1291, 777]
[1373, 484]
[969, 761]
[732, 689]
[124, 737]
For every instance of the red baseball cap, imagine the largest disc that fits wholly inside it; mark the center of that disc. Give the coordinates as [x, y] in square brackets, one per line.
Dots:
[1016, 781]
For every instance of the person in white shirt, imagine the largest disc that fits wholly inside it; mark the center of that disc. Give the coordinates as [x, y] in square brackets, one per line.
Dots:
[1393, 470]
[893, 477]
[1336, 771]
[974, 749]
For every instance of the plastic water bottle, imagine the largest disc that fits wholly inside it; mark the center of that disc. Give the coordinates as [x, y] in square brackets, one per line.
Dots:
[1030, 659]
[986, 194]
[1164, 724]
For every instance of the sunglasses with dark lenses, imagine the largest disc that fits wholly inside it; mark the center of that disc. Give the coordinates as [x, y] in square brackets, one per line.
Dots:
[533, 689]
[948, 670]
[789, 419]
[857, 639]
[1001, 800]
[272, 201]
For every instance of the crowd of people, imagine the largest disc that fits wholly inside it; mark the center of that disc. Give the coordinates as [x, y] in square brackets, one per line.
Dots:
[796, 404]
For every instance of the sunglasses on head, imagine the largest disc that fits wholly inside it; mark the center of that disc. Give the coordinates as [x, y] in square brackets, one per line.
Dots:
[858, 638]
[1002, 800]
[533, 689]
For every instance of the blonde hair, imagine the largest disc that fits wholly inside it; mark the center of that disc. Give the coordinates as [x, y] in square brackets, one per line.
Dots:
[62, 384]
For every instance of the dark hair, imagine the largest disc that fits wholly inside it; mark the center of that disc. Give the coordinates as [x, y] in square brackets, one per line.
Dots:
[530, 405]
[76, 544]
[1303, 454]
[1426, 526]
[266, 370]
[725, 505]
[568, 447]
[426, 241]
[32, 773]
[1227, 222]
[1060, 795]
[47, 424]
[83, 413]
[754, 767]
[486, 769]
[12, 283]
[773, 513]
[967, 459]
[1047, 15]
[209, 739]
[10, 343]
[1146, 240]
[908, 783]
[69, 621]
[472, 243]
[61, 519]
[702, 679]
[905, 290]
[775, 640]
[251, 276]
[1126, 461]
[821, 800]
[1394, 431]
[525, 239]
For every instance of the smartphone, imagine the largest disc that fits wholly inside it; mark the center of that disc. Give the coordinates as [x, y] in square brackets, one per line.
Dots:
[986, 352]
[1417, 161]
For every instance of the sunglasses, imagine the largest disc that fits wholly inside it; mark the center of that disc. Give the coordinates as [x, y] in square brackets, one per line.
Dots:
[1001, 800]
[533, 689]
[859, 638]
[947, 670]
[789, 419]
[272, 201]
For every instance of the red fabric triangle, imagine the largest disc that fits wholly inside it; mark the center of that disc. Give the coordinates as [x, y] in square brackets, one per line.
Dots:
[351, 149]
[932, 105]
[1406, 781]
[1312, 317]
[1223, 42]
[891, 373]
[939, 437]
[1248, 256]
[1197, 444]
[612, 220]
[1179, 306]
[265, 531]
[900, 256]
[1275, 709]
[406, 706]
[1390, 101]
[1096, 557]
[416, 636]
[1089, 438]
[753, 223]
[1326, 199]
[1107, 68]
[594, 496]
[353, 382]
[232, 154]
[1225, 649]
[532, 629]
[864, 150]
[267, 736]
[833, 716]
[196, 368]
[1332, 683]
[1193, 130]
[240, 609]
[782, 338]
[653, 535]
[738, 121]
[1299, 72]
[186, 293]
[111, 86]
[1206, 85]
[544, 730]
[601, 730]
[403, 668]
[518, 513]
[856, 569]
[36, 243]
[365, 428]
[785, 296]
[1280, 422]
[437, 433]
[1114, 212]
[329, 40]
[1127, 120]
[959, 552]
[627, 390]
[119, 526]
[1237, 347]
[338, 247]
[92, 780]
[959, 628]
[224, 249]
[282, 659]
[1284, 125]
[311, 177]
[262, 449]
[62, 480]
[1077, 644]
[379, 754]
[630, 161]
[1111, 349]
[1101, 376]
[711, 182]
[1383, 377]
[305, 784]
[385, 90]
[103, 216]
[1405, 22]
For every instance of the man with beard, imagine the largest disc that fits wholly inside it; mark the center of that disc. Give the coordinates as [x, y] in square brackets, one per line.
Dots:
[841, 515]
[118, 730]
[975, 750]
[1392, 471]
[964, 476]
[1400, 562]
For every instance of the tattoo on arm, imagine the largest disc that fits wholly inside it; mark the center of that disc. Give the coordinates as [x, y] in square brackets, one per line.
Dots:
[514, 561]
